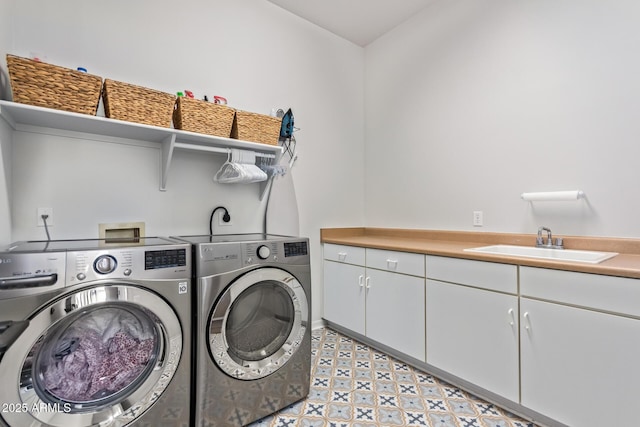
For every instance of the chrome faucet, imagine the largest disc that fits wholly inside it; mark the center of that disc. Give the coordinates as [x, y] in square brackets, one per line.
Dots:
[551, 242]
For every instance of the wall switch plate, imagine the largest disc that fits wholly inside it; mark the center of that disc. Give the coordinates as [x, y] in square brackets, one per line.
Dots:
[44, 211]
[478, 219]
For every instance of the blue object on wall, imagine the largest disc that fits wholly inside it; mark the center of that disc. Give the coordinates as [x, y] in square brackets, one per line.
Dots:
[286, 130]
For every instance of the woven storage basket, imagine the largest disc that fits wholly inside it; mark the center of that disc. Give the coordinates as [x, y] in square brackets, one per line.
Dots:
[124, 101]
[256, 127]
[203, 117]
[46, 85]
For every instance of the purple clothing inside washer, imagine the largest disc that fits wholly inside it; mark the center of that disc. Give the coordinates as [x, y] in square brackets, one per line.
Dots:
[98, 355]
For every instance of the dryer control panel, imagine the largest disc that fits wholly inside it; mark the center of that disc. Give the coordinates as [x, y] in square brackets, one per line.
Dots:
[260, 251]
[296, 248]
[281, 251]
[232, 253]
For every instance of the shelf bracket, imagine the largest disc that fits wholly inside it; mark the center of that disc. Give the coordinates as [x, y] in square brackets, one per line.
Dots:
[168, 144]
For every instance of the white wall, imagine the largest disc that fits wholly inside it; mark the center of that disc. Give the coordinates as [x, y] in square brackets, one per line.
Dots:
[471, 103]
[6, 40]
[5, 183]
[252, 52]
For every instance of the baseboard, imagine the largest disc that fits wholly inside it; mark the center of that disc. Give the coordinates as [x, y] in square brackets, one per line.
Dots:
[318, 324]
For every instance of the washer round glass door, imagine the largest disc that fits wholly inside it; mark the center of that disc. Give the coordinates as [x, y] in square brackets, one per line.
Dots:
[258, 323]
[93, 357]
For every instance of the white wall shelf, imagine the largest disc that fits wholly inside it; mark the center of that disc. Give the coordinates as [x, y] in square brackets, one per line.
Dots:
[20, 116]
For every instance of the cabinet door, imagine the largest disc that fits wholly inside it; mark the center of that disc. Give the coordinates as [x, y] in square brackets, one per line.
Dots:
[395, 311]
[473, 334]
[344, 295]
[579, 367]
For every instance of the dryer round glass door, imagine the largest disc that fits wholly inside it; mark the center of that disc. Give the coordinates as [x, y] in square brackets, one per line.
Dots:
[258, 323]
[95, 356]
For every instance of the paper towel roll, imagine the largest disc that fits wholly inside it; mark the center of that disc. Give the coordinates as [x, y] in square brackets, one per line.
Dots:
[553, 196]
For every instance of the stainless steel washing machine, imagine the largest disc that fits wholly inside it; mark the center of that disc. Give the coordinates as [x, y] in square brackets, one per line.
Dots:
[253, 343]
[95, 333]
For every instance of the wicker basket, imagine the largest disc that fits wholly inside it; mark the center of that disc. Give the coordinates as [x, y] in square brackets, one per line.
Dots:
[203, 117]
[124, 101]
[46, 85]
[256, 127]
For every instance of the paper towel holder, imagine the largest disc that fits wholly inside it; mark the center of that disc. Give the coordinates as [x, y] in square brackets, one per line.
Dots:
[549, 196]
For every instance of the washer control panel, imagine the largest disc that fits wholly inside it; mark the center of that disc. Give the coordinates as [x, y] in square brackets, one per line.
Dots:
[105, 264]
[172, 262]
[166, 258]
[31, 273]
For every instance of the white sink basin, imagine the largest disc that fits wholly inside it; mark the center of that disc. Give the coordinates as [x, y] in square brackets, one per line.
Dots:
[590, 257]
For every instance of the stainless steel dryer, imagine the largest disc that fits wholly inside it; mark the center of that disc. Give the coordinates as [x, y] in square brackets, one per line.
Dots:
[95, 333]
[253, 343]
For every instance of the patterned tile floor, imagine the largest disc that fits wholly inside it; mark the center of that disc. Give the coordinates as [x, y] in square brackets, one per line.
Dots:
[353, 385]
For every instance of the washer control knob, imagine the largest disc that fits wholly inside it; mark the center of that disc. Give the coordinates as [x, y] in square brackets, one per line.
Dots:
[105, 264]
[264, 252]
[127, 272]
[81, 276]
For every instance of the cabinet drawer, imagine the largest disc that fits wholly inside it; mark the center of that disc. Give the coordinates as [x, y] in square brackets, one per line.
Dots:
[608, 293]
[398, 262]
[342, 253]
[480, 274]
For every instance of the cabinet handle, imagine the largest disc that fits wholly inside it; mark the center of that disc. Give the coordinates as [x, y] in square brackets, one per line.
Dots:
[511, 318]
[361, 280]
[342, 256]
[367, 282]
[392, 264]
[527, 323]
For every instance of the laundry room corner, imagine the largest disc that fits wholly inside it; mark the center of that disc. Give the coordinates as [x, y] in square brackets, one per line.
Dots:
[275, 60]
[6, 42]
[5, 183]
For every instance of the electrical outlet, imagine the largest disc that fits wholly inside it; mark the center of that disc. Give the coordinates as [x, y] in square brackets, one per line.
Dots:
[44, 211]
[477, 218]
[221, 222]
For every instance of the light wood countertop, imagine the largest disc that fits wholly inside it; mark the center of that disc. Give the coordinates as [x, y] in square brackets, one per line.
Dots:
[453, 244]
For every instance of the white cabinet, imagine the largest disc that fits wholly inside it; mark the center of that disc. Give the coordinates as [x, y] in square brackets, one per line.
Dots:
[471, 329]
[580, 365]
[556, 343]
[380, 295]
[344, 295]
[395, 311]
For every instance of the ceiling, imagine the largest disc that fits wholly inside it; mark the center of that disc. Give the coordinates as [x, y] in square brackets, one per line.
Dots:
[360, 21]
